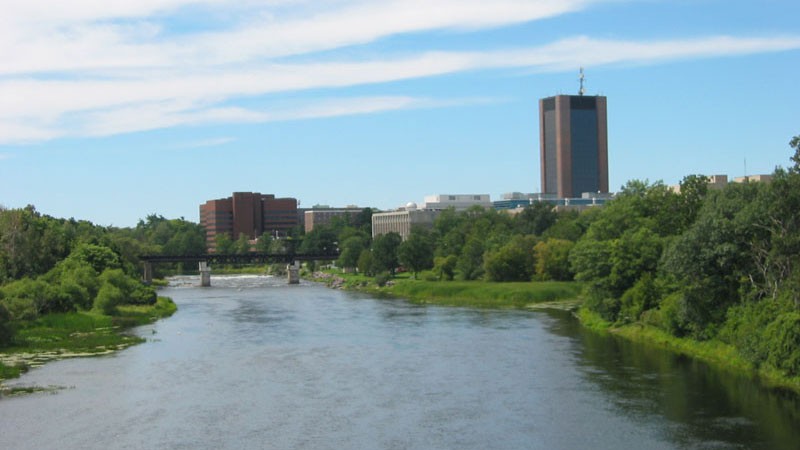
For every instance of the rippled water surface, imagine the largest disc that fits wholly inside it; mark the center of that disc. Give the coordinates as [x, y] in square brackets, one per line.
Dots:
[254, 363]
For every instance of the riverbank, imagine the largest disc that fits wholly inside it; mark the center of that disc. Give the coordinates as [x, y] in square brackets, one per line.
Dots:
[76, 334]
[470, 294]
[714, 352]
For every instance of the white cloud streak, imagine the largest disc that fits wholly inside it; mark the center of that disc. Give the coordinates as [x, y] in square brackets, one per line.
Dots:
[104, 67]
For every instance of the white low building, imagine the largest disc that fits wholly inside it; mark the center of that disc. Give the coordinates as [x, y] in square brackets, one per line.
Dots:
[458, 202]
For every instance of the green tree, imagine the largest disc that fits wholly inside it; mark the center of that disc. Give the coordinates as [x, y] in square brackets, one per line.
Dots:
[512, 262]
[416, 252]
[445, 266]
[264, 243]
[98, 257]
[535, 219]
[365, 263]
[470, 261]
[552, 259]
[242, 245]
[712, 261]
[321, 240]
[351, 251]
[795, 144]
[384, 252]
[225, 245]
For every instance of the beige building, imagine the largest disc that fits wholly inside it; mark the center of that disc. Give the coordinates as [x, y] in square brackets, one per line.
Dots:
[402, 221]
[720, 181]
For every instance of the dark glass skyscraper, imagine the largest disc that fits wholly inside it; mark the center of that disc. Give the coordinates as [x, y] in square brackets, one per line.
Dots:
[573, 139]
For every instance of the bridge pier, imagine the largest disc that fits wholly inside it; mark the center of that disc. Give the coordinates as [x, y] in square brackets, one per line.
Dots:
[147, 276]
[293, 272]
[205, 274]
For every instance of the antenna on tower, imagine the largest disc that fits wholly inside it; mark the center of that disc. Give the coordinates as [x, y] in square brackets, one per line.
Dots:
[581, 91]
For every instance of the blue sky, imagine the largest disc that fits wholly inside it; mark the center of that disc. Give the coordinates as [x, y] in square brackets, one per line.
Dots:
[113, 110]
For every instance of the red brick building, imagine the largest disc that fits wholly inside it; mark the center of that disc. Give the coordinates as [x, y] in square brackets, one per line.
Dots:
[248, 213]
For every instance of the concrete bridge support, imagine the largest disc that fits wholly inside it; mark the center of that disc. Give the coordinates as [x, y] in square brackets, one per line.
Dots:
[205, 274]
[293, 272]
[147, 276]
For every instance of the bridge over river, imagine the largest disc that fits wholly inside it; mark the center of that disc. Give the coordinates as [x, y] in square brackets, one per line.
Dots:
[291, 260]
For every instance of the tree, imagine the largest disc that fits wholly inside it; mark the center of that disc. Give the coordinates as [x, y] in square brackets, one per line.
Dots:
[351, 250]
[321, 240]
[535, 219]
[552, 259]
[365, 263]
[444, 267]
[512, 262]
[98, 257]
[795, 144]
[263, 243]
[470, 261]
[416, 252]
[384, 252]
[242, 245]
[225, 245]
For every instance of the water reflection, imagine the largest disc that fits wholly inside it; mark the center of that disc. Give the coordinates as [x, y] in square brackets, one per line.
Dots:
[714, 407]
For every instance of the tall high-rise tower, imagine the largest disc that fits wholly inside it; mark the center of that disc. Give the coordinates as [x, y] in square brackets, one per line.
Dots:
[573, 139]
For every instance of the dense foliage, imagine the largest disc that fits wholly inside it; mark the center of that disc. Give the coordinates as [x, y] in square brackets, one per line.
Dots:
[50, 265]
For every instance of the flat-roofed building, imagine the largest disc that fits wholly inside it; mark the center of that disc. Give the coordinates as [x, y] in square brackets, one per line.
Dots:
[459, 202]
[403, 220]
[248, 213]
[318, 216]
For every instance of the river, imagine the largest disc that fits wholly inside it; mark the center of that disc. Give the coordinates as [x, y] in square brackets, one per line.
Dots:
[252, 363]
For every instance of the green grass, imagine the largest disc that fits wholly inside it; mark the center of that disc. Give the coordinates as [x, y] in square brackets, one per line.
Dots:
[83, 333]
[481, 294]
[474, 294]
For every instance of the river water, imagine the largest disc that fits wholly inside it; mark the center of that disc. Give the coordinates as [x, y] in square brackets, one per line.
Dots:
[252, 363]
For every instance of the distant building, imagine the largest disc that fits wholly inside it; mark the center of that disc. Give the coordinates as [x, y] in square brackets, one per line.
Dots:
[515, 202]
[403, 220]
[459, 202]
[753, 179]
[248, 213]
[573, 142]
[319, 215]
[720, 181]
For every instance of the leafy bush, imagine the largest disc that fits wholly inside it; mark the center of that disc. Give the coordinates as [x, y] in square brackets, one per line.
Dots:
[783, 338]
[512, 262]
[107, 300]
[642, 296]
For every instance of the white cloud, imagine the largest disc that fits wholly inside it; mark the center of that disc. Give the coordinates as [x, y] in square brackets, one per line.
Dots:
[103, 67]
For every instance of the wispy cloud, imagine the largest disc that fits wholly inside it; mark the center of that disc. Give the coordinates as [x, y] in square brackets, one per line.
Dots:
[97, 67]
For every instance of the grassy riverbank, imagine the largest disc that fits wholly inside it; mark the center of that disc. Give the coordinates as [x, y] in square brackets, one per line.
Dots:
[713, 352]
[473, 294]
[68, 335]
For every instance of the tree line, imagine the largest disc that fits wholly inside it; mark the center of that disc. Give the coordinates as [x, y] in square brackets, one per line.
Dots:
[50, 265]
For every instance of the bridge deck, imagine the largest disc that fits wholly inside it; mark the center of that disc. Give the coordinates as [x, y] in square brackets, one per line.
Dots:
[254, 257]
